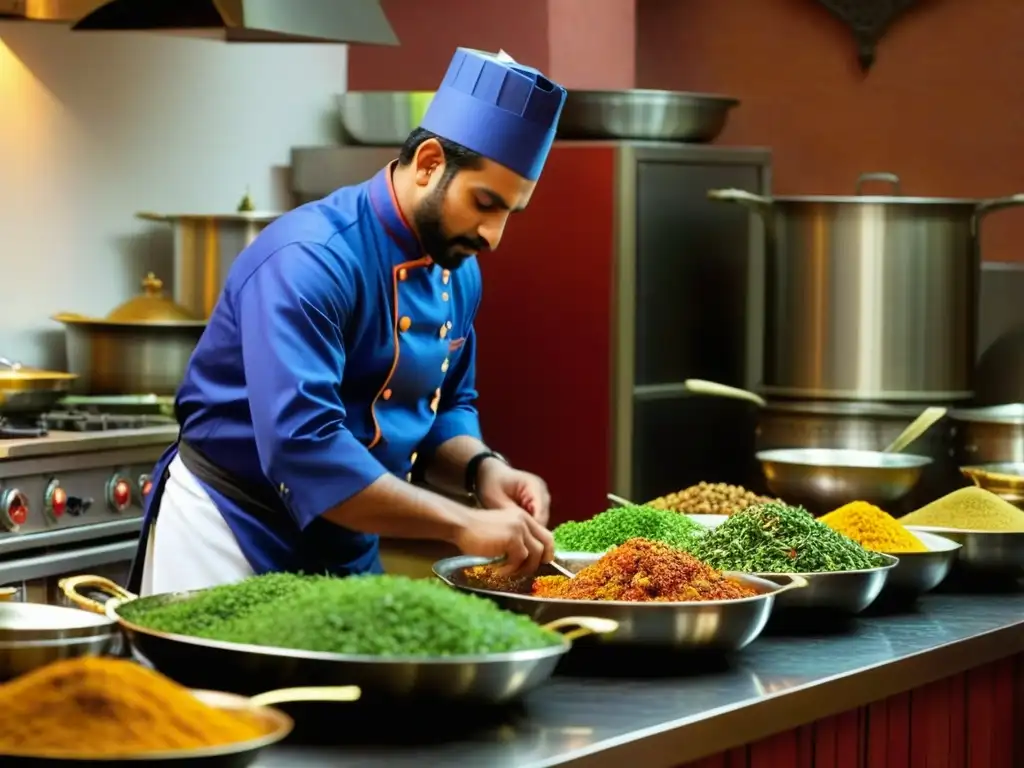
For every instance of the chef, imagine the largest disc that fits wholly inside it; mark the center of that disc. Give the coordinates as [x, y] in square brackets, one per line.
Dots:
[339, 363]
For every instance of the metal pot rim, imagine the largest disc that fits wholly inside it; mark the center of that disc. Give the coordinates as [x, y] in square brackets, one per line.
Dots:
[863, 409]
[1010, 413]
[96, 323]
[877, 200]
[676, 96]
[257, 217]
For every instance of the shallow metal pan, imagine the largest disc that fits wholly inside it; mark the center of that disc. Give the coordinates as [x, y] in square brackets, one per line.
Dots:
[644, 115]
[238, 755]
[33, 635]
[250, 669]
[712, 625]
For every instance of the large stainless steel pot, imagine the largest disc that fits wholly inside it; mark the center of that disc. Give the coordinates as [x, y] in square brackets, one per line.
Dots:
[870, 297]
[988, 435]
[140, 348]
[381, 118]
[205, 245]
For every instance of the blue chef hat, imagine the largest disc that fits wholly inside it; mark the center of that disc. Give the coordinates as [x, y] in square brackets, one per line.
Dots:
[501, 109]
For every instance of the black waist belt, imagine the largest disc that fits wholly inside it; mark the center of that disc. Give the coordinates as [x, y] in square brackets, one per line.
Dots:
[259, 502]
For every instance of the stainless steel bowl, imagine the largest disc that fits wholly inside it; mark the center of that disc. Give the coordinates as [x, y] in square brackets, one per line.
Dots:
[921, 572]
[984, 551]
[646, 115]
[714, 625]
[381, 118]
[33, 635]
[825, 478]
[839, 591]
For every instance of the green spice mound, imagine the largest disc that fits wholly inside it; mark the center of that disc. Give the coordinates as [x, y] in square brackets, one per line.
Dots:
[620, 524]
[364, 615]
[776, 538]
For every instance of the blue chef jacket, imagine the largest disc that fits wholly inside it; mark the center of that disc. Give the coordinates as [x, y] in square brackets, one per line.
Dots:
[337, 352]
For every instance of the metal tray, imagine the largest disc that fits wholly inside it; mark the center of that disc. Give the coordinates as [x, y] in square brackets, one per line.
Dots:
[252, 669]
[33, 635]
[839, 591]
[921, 572]
[644, 115]
[984, 551]
[716, 625]
[239, 755]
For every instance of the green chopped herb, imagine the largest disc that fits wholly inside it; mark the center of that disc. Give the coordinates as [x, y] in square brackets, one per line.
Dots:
[776, 538]
[619, 524]
[365, 615]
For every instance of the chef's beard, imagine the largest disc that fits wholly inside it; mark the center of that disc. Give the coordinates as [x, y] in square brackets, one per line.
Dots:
[448, 252]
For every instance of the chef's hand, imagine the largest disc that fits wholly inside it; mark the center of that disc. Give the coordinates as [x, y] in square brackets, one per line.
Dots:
[510, 533]
[499, 486]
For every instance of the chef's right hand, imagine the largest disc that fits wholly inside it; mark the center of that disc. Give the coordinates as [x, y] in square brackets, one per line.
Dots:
[511, 533]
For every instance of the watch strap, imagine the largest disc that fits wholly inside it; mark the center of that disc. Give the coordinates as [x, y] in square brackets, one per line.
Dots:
[473, 468]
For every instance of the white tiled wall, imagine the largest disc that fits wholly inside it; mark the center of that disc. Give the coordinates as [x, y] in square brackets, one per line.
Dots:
[97, 126]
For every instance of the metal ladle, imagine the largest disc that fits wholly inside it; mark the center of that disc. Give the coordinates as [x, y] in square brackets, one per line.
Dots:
[916, 428]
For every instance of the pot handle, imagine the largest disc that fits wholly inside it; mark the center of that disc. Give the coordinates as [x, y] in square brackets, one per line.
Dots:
[71, 585]
[994, 204]
[757, 202]
[584, 625]
[889, 178]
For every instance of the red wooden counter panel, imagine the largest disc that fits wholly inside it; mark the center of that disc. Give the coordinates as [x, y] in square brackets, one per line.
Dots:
[971, 720]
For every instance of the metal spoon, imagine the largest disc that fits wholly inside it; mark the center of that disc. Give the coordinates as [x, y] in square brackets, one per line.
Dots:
[714, 389]
[916, 428]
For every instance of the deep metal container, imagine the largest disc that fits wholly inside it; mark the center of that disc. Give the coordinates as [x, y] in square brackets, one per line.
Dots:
[381, 118]
[870, 297]
[991, 435]
[205, 246]
[141, 348]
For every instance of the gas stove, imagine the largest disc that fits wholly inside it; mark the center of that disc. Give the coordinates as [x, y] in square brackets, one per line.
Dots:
[79, 472]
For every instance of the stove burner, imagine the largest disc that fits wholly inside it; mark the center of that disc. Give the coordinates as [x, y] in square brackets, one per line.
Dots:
[75, 420]
[14, 428]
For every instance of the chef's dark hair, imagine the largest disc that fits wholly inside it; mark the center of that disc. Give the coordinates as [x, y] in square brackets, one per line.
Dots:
[456, 157]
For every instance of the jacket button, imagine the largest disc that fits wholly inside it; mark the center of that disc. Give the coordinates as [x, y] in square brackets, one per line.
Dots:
[403, 274]
[444, 366]
[444, 296]
[412, 459]
[404, 324]
[446, 276]
[386, 394]
[444, 331]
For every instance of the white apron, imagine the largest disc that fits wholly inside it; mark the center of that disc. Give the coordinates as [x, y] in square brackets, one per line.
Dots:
[190, 546]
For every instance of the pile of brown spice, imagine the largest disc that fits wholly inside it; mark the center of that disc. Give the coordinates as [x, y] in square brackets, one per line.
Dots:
[643, 571]
[709, 499]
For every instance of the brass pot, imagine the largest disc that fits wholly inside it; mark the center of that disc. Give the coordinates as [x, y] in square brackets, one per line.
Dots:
[142, 347]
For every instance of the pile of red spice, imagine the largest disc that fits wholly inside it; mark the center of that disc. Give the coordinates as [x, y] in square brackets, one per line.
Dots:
[643, 571]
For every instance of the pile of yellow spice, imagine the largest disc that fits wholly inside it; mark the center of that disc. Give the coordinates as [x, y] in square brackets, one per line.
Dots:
[873, 528]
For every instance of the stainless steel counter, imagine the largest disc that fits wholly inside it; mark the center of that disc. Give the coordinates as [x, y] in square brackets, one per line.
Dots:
[673, 715]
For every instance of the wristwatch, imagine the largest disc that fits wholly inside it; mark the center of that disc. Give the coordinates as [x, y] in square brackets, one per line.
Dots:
[473, 468]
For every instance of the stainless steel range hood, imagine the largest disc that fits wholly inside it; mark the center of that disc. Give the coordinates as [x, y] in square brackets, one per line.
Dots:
[47, 10]
[250, 21]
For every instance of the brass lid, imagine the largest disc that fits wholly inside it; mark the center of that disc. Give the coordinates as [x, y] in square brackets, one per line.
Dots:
[151, 306]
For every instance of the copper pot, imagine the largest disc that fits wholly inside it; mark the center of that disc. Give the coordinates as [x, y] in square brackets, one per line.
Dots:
[142, 347]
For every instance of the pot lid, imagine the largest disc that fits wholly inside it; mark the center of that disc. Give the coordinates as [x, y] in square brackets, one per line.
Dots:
[14, 371]
[150, 306]
[1010, 413]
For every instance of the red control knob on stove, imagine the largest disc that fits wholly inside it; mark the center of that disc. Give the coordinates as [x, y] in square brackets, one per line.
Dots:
[145, 485]
[13, 509]
[119, 494]
[56, 499]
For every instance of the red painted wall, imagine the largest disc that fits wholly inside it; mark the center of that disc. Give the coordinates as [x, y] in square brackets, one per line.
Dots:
[943, 106]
